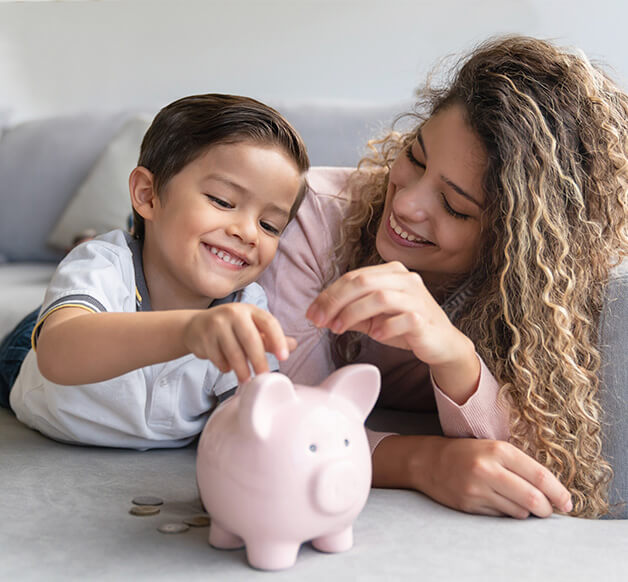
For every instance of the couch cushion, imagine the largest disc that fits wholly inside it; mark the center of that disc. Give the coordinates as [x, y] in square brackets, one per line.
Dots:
[42, 163]
[22, 288]
[102, 202]
[336, 133]
[4, 119]
[66, 513]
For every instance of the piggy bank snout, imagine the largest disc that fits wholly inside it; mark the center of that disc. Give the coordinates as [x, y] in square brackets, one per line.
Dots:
[337, 486]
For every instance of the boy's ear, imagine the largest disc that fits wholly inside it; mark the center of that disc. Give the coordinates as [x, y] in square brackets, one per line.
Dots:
[142, 190]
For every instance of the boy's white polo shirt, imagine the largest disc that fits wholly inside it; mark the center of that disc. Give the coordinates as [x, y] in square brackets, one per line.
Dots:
[164, 405]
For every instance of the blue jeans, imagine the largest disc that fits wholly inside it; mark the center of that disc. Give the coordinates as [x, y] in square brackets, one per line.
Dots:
[13, 350]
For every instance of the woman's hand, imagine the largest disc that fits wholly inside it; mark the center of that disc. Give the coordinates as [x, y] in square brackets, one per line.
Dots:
[234, 334]
[392, 305]
[476, 476]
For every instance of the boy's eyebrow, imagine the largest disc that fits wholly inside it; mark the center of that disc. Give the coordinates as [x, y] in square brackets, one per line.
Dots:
[447, 181]
[274, 207]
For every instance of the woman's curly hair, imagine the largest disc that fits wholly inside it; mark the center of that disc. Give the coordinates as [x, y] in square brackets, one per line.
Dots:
[555, 130]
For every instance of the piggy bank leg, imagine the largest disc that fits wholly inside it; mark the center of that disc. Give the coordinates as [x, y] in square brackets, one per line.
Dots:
[336, 542]
[222, 539]
[267, 555]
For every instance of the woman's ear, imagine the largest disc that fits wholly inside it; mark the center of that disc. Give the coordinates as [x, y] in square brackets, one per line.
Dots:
[142, 190]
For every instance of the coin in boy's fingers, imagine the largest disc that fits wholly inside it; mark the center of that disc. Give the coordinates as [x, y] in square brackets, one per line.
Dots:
[173, 528]
[147, 500]
[144, 510]
[197, 520]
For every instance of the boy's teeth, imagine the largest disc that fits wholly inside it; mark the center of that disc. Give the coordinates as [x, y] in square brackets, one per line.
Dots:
[225, 256]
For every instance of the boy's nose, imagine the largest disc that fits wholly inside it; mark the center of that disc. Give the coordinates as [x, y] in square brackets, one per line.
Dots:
[245, 229]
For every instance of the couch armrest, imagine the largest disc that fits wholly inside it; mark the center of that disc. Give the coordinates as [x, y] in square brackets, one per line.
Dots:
[614, 376]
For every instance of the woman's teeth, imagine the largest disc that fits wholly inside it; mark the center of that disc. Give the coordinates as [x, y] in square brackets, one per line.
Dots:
[225, 256]
[403, 234]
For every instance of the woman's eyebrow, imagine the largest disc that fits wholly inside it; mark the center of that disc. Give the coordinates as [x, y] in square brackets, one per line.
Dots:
[447, 181]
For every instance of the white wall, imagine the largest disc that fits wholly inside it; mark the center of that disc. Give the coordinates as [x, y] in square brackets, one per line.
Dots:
[60, 57]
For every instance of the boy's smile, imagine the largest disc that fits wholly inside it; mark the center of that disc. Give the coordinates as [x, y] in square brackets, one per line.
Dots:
[217, 224]
[226, 257]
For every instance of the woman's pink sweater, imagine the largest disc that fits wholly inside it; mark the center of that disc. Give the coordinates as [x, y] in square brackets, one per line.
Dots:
[297, 275]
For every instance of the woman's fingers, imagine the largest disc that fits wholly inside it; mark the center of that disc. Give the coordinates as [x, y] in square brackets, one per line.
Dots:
[503, 506]
[541, 479]
[356, 284]
[493, 478]
[399, 325]
[522, 495]
[371, 304]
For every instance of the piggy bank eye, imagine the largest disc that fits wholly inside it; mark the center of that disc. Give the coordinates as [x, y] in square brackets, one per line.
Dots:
[346, 442]
[313, 447]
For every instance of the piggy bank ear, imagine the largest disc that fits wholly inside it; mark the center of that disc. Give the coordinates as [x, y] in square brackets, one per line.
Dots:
[358, 383]
[260, 399]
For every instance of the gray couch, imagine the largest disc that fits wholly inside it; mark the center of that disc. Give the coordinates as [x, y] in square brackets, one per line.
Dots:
[64, 509]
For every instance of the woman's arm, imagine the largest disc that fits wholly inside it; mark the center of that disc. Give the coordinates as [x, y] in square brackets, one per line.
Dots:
[392, 305]
[472, 475]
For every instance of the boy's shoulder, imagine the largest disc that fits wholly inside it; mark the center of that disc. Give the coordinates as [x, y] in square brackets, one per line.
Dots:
[100, 272]
[253, 293]
[113, 243]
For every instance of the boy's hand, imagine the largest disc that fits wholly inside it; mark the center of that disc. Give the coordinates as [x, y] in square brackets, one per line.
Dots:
[235, 334]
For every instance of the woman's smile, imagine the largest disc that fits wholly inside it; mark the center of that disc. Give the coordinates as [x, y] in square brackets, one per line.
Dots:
[403, 237]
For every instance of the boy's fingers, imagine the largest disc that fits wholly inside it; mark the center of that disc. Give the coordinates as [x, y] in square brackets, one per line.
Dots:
[236, 360]
[271, 335]
[214, 353]
[251, 344]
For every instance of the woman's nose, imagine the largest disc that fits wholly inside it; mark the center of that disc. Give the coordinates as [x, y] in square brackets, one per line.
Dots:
[412, 203]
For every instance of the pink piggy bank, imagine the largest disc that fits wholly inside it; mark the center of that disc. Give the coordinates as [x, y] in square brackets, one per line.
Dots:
[280, 464]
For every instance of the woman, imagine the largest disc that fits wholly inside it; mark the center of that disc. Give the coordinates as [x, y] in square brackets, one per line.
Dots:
[485, 235]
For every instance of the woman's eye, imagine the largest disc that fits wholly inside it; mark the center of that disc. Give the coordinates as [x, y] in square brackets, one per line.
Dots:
[219, 201]
[412, 159]
[269, 228]
[451, 211]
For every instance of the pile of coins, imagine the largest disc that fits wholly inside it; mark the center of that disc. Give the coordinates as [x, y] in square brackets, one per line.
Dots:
[148, 505]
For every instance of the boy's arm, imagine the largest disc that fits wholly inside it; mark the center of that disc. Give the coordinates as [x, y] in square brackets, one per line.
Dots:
[78, 347]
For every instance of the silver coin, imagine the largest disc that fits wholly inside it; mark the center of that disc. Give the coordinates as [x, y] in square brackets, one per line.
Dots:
[148, 500]
[197, 520]
[144, 510]
[173, 528]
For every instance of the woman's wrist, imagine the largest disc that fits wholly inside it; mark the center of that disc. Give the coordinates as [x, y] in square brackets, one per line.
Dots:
[458, 377]
[405, 462]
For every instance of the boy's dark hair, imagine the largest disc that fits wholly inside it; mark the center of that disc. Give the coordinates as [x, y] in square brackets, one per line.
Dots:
[185, 129]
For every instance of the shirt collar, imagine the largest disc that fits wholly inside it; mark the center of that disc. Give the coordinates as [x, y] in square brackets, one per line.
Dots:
[142, 298]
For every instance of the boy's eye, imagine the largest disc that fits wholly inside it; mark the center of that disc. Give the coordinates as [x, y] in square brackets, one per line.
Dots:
[219, 201]
[270, 228]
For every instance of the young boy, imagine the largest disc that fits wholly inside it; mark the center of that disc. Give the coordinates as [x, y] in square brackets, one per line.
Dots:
[139, 335]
